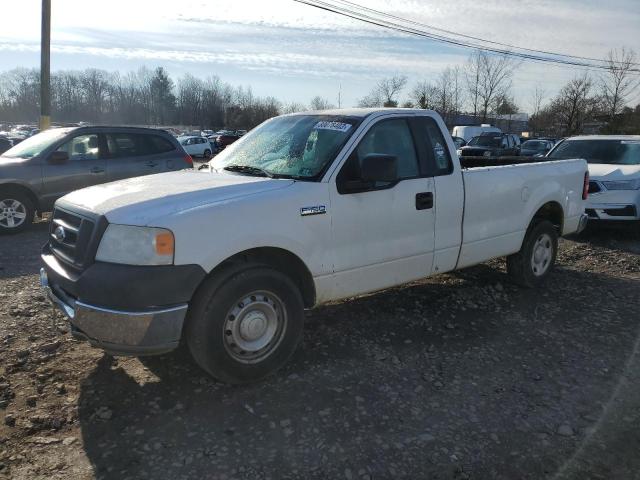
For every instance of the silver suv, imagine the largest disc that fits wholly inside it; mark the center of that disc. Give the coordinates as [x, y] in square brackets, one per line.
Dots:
[43, 168]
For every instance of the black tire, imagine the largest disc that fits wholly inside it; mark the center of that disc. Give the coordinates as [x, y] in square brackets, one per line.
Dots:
[522, 267]
[207, 154]
[16, 211]
[210, 322]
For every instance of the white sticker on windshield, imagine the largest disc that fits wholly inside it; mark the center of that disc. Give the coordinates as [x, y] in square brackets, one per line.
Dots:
[337, 126]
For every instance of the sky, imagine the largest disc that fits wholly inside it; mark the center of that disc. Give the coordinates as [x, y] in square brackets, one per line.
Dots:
[294, 52]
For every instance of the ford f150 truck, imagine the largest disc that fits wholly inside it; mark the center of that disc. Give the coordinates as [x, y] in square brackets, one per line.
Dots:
[305, 209]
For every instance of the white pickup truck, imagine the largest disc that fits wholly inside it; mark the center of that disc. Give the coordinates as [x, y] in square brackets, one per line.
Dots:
[305, 209]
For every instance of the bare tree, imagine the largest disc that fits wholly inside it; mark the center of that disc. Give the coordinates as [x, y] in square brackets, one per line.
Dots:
[293, 107]
[385, 92]
[573, 105]
[473, 74]
[537, 98]
[495, 80]
[423, 95]
[320, 103]
[618, 82]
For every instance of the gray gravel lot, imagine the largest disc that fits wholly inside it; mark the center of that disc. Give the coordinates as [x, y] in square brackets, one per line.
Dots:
[461, 376]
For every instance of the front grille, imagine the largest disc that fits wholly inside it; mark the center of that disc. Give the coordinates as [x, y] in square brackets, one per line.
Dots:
[472, 152]
[70, 236]
[594, 187]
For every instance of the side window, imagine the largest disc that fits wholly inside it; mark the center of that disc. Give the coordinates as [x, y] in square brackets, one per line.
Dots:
[82, 147]
[433, 147]
[157, 144]
[127, 145]
[391, 137]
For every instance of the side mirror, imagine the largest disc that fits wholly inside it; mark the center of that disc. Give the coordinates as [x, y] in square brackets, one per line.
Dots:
[58, 157]
[378, 167]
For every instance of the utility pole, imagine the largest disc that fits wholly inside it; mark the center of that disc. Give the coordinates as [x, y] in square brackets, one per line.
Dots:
[45, 66]
[340, 96]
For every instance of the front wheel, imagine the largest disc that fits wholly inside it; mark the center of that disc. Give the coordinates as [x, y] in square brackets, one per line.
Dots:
[532, 264]
[16, 212]
[245, 324]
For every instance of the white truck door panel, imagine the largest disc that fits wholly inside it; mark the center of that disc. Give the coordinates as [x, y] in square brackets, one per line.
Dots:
[384, 236]
[380, 238]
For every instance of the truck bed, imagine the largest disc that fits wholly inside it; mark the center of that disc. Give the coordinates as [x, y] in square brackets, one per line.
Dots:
[503, 194]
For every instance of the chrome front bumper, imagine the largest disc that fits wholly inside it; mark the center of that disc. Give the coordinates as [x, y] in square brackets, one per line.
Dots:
[148, 332]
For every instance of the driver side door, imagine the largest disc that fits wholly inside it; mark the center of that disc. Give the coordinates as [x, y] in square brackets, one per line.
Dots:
[384, 235]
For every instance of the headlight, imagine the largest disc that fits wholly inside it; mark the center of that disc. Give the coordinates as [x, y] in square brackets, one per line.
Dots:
[486, 154]
[622, 184]
[136, 245]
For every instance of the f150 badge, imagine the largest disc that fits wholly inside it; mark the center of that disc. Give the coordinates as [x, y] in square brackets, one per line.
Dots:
[314, 210]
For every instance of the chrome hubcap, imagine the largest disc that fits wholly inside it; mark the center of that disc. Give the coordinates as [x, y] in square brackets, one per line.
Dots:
[12, 213]
[254, 327]
[542, 255]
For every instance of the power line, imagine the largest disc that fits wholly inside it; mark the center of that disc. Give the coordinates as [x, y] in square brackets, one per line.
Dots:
[350, 13]
[412, 22]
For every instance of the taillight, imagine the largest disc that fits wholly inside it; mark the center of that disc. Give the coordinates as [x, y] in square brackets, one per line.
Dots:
[188, 159]
[585, 187]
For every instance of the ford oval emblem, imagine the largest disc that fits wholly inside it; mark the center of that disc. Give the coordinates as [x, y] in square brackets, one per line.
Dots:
[59, 234]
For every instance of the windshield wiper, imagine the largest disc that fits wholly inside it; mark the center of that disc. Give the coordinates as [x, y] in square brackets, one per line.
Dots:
[249, 170]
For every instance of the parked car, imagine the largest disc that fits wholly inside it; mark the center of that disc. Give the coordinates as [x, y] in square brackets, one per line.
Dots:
[206, 133]
[310, 208]
[225, 139]
[535, 148]
[5, 144]
[459, 142]
[614, 170]
[46, 166]
[196, 146]
[491, 145]
[241, 132]
[469, 131]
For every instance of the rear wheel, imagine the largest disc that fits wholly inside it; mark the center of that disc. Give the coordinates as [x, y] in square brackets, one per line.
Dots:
[531, 265]
[244, 324]
[16, 212]
[207, 153]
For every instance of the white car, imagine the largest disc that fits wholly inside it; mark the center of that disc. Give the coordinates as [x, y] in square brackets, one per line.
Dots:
[196, 146]
[614, 171]
[305, 209]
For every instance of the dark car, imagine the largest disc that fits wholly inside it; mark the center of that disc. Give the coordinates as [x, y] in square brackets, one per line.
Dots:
[492, 145]
[5, 144]
[533, 148]
[459, 142]
[225, 139]
[46, 166]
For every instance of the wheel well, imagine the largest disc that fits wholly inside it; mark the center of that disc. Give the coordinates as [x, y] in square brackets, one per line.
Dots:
[282, 260]
[12, 187]
[551, 211]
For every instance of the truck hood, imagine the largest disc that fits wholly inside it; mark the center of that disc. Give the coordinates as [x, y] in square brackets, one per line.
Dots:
[603, 171]
[141, 200]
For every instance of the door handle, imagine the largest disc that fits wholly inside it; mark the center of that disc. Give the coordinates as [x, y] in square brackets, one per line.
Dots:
[151, 164]
[97, 170]
[424, 200]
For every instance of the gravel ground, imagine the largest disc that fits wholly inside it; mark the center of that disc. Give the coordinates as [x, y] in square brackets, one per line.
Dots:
[461, 376]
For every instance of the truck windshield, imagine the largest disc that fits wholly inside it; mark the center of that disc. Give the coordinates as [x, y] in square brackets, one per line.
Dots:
[485, 141]
[295, 146]
[615, 152]
[33, 146]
